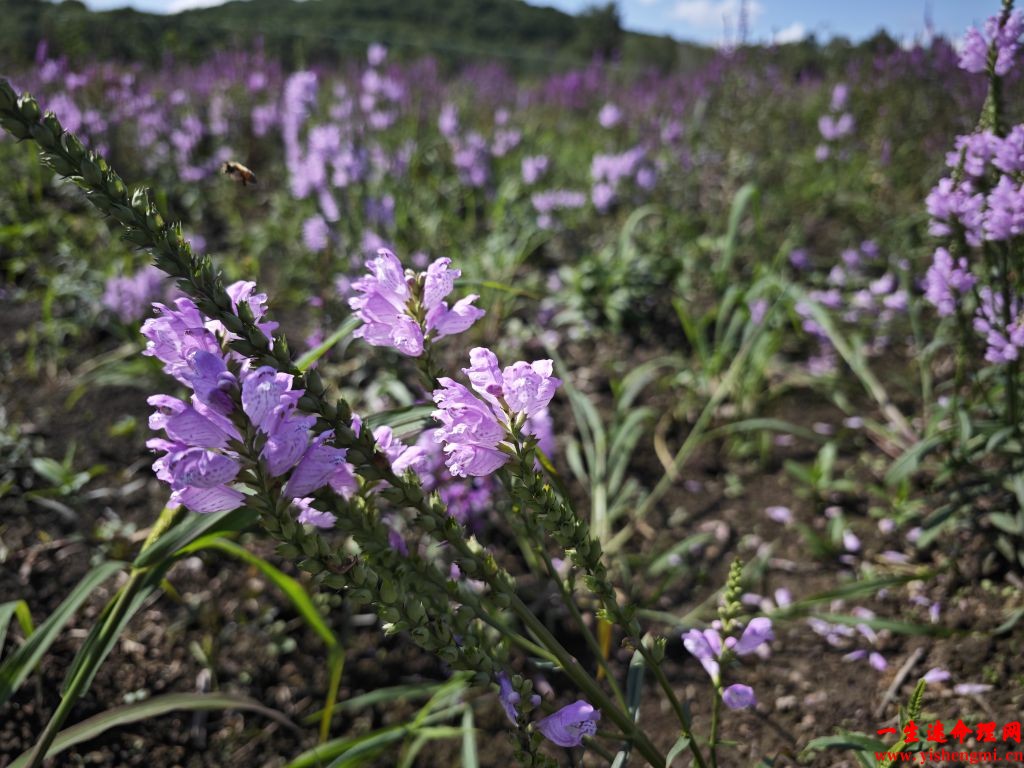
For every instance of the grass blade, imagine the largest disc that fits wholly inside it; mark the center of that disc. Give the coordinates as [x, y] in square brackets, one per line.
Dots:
[343, 330]
[154, 707]
[190, 529]
[20, 663]
[19, 609]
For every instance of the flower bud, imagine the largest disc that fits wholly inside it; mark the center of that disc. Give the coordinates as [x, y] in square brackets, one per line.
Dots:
[15, 127]
[29, 109]
[91, 172]
[73, 147]
[43, 135]
[420, 636]
[50, 121]
[287, 551]
[8, 98]
[334, 581]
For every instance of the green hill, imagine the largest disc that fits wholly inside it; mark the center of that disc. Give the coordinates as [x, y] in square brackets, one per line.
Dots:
[526, 37]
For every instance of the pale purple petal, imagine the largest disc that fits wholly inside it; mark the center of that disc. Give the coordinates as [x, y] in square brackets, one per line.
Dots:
[739, 697]
[570, 724]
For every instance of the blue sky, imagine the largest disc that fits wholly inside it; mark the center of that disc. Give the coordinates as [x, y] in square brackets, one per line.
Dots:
[706, 20]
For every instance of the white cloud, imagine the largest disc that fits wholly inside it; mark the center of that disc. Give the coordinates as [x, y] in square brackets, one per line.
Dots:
[794, 33]
[712, 13]
[177, 6]
[648, 3]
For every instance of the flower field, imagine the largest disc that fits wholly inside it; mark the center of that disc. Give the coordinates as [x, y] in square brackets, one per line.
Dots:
[396, 413]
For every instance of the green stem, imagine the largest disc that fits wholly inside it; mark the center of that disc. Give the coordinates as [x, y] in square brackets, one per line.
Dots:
[716, 711]
[588, 636]
[677, 707]
[586, 683]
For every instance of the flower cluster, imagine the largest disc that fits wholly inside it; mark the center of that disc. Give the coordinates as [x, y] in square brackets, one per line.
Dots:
[566, 727]
[710, 649]
[978, 208]
[236, 417]
[129, 296]
[403, 310]
[475, 427]
[1004, 37]
[855, 289]
[836, 124]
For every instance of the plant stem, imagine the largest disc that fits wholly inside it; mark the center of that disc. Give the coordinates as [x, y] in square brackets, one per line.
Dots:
[677, 707]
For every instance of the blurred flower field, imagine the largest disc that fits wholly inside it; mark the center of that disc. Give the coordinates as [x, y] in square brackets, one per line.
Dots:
[754, 438]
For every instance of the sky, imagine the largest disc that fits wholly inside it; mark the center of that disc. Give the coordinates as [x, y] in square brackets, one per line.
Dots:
[706, 21]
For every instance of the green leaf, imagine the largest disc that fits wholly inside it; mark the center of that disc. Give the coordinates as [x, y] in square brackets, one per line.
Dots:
[154, 707]
[665, 561]
[401, 420]
[899, 627]
[19, 664]
[50, 470]
[858, 741]
[682, 743]
[190, 529]
[635, 684]
[910, 460]
[15, 608]
[106, 636]
[344, 330]
[470, 757]
[292, 589]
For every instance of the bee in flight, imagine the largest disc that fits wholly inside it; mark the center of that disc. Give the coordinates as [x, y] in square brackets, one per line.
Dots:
[238, 172]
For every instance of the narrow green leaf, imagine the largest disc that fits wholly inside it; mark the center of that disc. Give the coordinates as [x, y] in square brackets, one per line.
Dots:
[15, 608]
[190, 529]
[154, 707]
[292, 589]
[682, 743]
[910, 460]
[402, 420]
[19, 664]
[857, 741]
[470, 758]
[344, 330]
[106, 636]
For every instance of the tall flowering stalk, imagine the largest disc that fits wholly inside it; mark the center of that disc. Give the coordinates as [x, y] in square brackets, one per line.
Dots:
[978, 210]
[258, 427]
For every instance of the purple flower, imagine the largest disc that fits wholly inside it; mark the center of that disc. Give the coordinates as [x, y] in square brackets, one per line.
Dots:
[533, 167]
[376, 54]
[835, 128]
[319, 464]
[738, 696]
[758, 632]
[448, 121]
[706, 647]
[1004, 342]
[570, 724]
[310, 515]
[385, 305]
[469, 431]
[315, 233]
[603, 195]
[945, 281]
[129, 297]
[839, 95]
[509, 698]
[1005, 38]
[609, 116]
[176, 335]
[472, 429]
